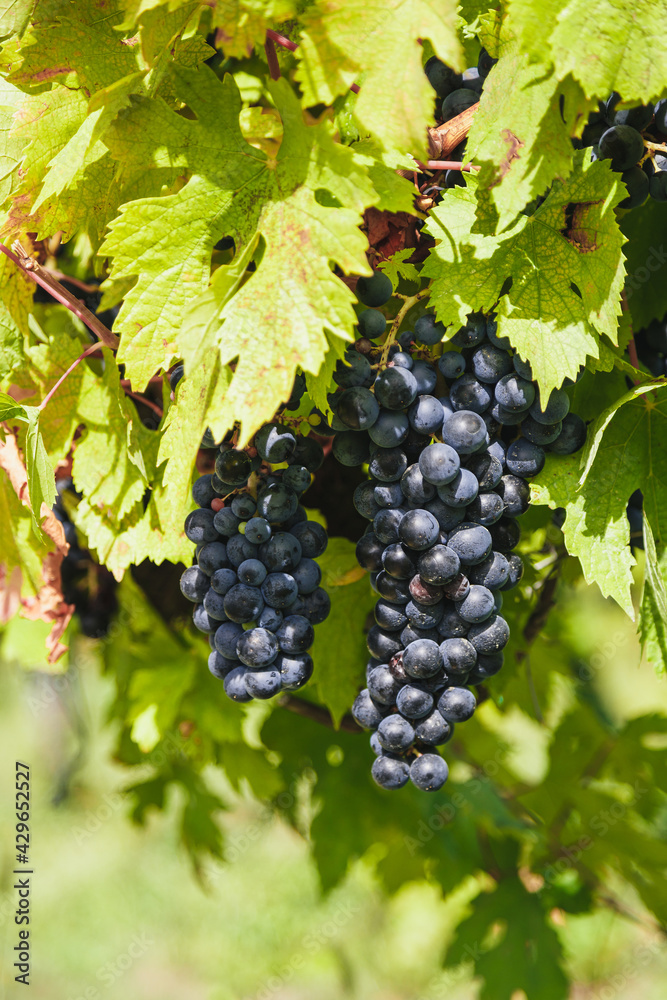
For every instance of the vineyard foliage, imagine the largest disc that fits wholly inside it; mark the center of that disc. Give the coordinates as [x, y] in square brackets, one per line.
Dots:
[224, 214]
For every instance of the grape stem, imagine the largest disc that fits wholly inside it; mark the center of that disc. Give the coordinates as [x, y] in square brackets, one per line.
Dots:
[660, 147]
[409, 302]
[42, 277]
[451, 165]
[317, 713]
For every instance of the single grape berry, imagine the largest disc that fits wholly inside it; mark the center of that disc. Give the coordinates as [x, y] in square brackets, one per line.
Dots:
[464, 431]
[451, 364]
[395, 734]
[263, 684]
[295, 670]
[387, 464]
[428, 330]
[429, 772]
[471, 542]
[372, 323]
[461, 490]
[390, 773]
[357, 408]
[257, 648]
[422, 658]
[457, 102]
[419, 529]
[200, 527]
[194, 584]
[439, 464]
[395, 388]
[374, 291]
[439, 565]
[366, 712]
[623, 145]
[233, 467]
[525, 458]
[390, 429]
[275, 443]
[457, 704]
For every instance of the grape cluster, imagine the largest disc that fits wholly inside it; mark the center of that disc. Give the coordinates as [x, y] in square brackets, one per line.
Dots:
[457, 92]
[255, 582]
[450, 443]
[620, 135]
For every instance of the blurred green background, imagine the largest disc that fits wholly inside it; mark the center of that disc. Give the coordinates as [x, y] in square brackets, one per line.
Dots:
[118, 911]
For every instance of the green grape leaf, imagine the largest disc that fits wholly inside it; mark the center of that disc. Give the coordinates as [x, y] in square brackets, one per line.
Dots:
[342, 41]
[340, 652]
[183, 430]
[565, 265]
[604, 44]
[653, 606]
[10, 408]
[41, 479]
[16, 292]
[243, 23]
[22, 548]
[398, 267]
[600, 424]
[15, 16]
[525, 956]
[114, 463]
[396, 193]
[520, 135]
[646, 253]
[596, 527]
[78, 45]
[109, 460]
[292, 298]
[140, 535]
[319, 385]
[46, 363]
[62, 131]
[630, 455]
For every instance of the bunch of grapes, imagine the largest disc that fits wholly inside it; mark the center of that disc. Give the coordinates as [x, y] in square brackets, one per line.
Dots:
[450, 444]
[627, 138]
[255, 582]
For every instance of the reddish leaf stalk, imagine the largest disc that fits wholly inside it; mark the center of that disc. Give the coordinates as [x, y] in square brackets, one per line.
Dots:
[274, 36]
[147, 402]
[272, 58]
[632, 353]
[286, 43]
[88, 350]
